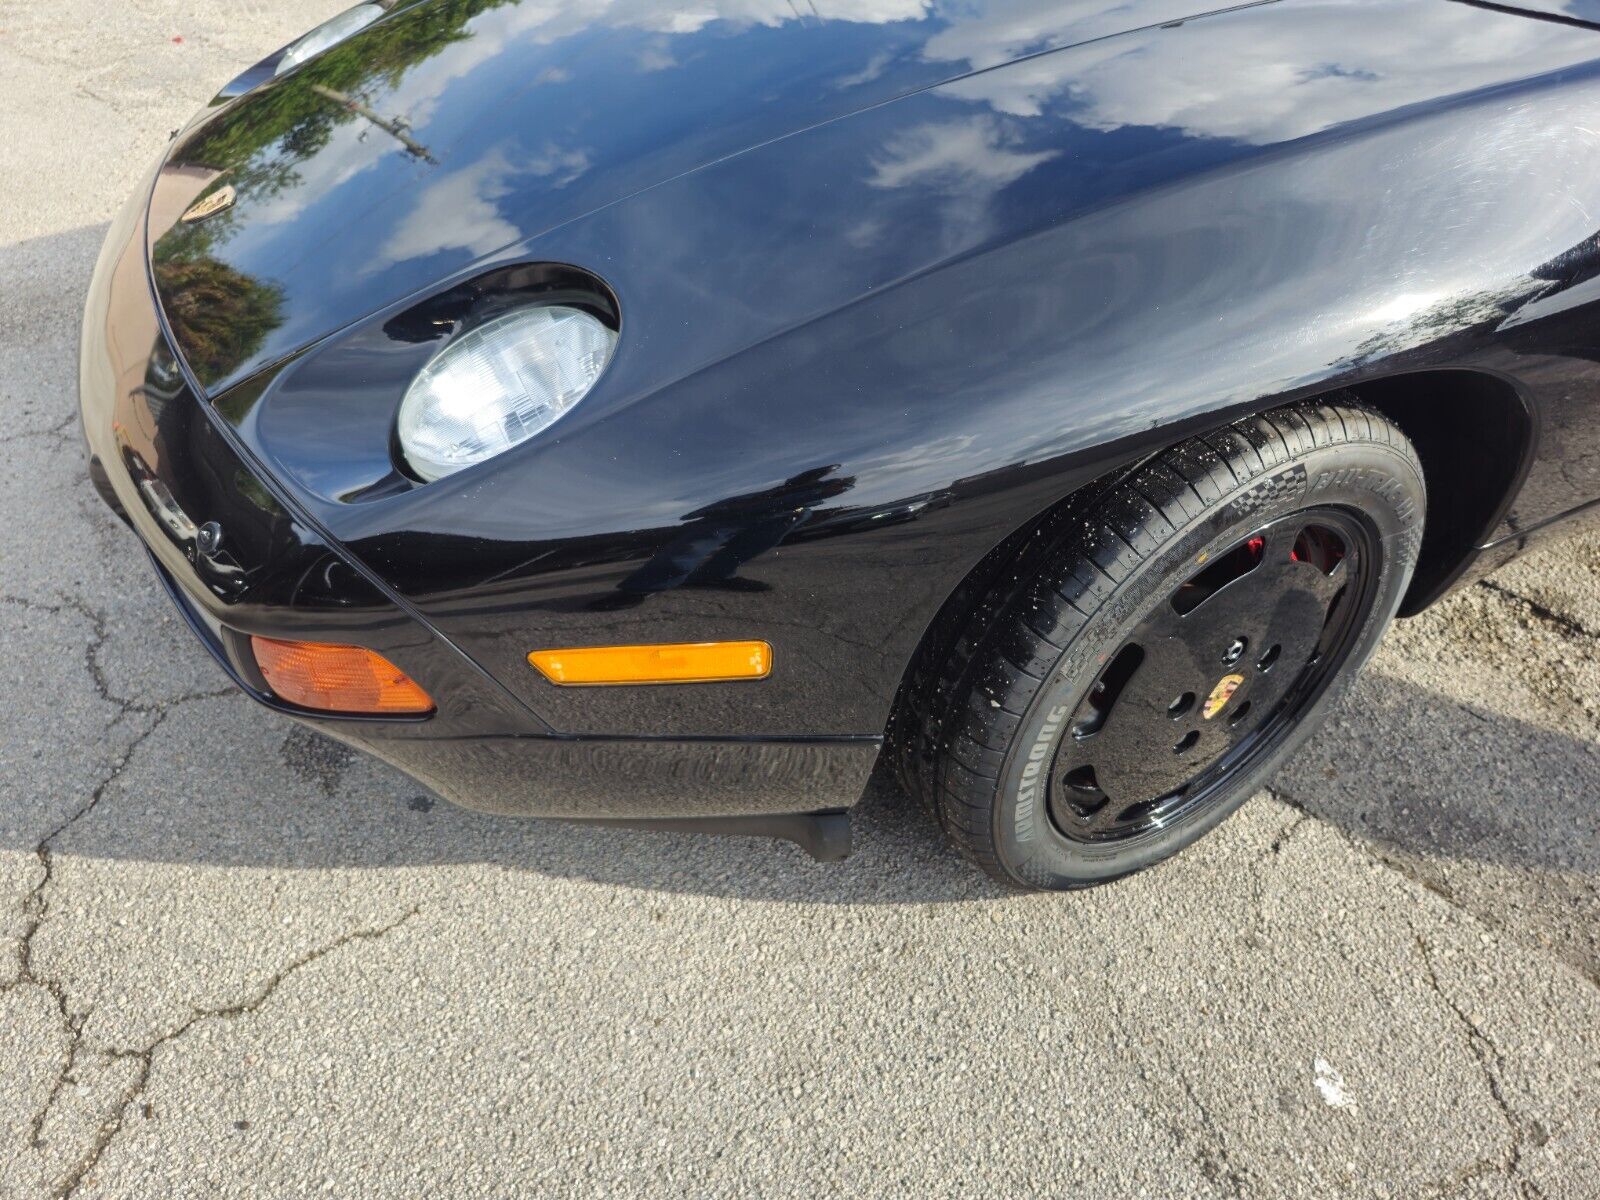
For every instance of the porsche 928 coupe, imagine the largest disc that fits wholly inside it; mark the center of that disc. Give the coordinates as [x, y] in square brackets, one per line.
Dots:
[656, 412]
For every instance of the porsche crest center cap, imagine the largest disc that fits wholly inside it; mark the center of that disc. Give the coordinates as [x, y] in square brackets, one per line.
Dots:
[219, 200]
[1220, 695]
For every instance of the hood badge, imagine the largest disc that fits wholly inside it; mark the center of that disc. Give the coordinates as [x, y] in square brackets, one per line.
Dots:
[1220, 695]
[218, 201]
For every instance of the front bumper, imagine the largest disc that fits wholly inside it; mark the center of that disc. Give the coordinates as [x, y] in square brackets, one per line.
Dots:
[238, 558]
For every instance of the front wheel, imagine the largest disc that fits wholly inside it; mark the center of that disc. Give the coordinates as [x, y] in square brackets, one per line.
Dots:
[1156, 650]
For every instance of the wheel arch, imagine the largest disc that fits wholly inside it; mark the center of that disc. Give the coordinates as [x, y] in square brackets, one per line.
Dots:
[1475, 434]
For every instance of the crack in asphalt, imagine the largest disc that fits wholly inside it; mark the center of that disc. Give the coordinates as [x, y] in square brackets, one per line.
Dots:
[36, 904]
[1488, 1055]
[36, 908]
[1560, 621]
[1372, 851]
[1211, 1152]
[60, 433]
[1492, 1063]
[30, 605]
[1208, 1143]
[1256, 937]
[63, 1077]
[144, 1056]
[100, 624]
[1281, 839]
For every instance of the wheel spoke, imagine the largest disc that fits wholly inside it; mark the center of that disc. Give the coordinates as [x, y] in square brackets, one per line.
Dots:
[1328, 584]
[1102, 699]
[1279, 549]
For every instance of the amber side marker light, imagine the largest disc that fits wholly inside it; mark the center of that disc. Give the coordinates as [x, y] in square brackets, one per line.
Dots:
[333, 678]
[689, 662]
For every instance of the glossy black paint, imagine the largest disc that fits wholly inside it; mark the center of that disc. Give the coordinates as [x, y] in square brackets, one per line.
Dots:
[482, 123]
[893, 278]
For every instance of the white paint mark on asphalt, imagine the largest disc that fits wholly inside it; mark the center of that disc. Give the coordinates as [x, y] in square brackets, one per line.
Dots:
[1331, 1084]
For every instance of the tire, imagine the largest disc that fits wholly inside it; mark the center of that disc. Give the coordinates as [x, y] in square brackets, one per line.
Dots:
[1031, 723]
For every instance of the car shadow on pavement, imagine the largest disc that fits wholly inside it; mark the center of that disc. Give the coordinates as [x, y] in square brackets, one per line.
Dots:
[1426, 774]
[1417, 776]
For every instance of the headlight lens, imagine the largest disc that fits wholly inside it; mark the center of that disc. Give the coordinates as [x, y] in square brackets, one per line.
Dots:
[499, 384]
[329, 33]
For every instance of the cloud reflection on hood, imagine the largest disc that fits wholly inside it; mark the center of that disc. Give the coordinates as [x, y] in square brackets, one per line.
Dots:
[1269, 93]
[966, 161]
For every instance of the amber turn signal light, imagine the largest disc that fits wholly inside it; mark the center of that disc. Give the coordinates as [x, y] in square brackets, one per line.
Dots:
[691, 662]
[333, 678]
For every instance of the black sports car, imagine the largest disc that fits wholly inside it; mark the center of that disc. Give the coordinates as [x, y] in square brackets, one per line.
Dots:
[646, 411]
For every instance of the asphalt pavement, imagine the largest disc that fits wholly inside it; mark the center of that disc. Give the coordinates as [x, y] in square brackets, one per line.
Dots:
[238, 960]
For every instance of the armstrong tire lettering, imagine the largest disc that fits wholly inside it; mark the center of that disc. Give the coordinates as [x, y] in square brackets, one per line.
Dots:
[1031, 785]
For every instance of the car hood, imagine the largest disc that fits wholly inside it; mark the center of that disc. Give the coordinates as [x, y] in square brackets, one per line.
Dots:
[452, 131]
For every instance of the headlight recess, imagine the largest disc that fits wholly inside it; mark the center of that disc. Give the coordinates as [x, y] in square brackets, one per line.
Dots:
[498, 384]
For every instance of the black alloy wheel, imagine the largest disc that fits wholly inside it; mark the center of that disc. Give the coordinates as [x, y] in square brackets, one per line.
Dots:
[1214, 677]
[1119, 680]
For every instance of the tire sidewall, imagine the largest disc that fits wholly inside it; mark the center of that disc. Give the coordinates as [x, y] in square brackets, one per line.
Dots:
[1379, 483]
